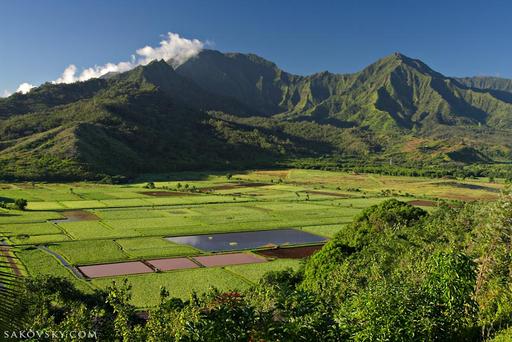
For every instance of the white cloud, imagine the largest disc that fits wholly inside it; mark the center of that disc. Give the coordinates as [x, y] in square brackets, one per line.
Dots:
[68, 76]
[98, 71]
[24, 88]
[174, 48]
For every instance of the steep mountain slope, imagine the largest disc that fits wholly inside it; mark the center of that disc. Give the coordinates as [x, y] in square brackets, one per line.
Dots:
[256, 82]
[49, 95]
[406, 93]
[147, 120]
[247, 78]
[395, 92]
[233, 110]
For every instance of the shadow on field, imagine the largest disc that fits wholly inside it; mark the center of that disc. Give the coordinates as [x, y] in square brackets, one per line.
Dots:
[190, 176]
[467, 186]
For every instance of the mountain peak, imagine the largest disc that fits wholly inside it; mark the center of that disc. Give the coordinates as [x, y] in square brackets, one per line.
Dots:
[244, 106]
[157, 66]
[397, 58]
[156, 71]
[399, 55]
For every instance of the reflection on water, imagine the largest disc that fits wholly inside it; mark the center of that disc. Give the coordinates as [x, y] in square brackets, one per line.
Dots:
[248, 240]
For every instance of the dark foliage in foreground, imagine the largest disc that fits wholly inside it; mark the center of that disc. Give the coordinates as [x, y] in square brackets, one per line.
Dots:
[397, 273]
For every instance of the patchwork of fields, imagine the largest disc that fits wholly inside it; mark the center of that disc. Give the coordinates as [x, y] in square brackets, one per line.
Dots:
[78, 224]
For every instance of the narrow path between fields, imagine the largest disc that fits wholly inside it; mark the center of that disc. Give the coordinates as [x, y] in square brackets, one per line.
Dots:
[66, 264]
[5, 251]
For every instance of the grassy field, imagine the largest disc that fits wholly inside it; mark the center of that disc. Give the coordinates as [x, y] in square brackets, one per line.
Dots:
[253, 272]
[132, 221]
[146, 287]
[38, 262]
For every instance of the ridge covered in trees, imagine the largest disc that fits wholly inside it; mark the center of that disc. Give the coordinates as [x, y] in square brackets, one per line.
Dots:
[231, 110]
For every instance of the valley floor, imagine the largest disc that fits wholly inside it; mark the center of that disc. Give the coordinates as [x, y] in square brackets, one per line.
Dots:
[72, 225]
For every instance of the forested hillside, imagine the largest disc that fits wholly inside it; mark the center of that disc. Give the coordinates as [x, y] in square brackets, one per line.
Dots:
[231, 110]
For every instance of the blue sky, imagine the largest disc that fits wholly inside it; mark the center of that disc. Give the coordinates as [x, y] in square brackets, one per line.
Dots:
[39, 39]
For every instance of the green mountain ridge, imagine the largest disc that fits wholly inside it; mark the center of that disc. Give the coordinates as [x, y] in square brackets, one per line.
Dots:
[224, 110]
[487, 82]
[399, 90]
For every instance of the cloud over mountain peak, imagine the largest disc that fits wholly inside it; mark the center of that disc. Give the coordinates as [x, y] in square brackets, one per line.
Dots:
[173, 48]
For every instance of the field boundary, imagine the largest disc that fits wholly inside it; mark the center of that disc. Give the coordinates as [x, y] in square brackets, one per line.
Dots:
[63, 261]
[5, 251]
[154, 269]
[238, 274]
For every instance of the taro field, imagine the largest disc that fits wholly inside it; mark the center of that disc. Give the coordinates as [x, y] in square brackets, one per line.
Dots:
[192, 231]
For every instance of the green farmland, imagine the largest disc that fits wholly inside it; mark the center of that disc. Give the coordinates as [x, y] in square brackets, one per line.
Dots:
[130, 222]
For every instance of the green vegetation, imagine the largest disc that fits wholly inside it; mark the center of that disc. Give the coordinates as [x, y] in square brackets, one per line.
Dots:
[402, 168]
[89, 251]
[20, 204]
[179, 283]
[154, 247]
[40, 228]
[327, 230]
[421, 276]
[38, 239]
[39, 263]
[254, 272]
[89, 229]
[488, 82]
[438, 270]
[396, 116]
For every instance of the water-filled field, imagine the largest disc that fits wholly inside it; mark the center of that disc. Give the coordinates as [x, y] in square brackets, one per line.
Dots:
[248, 240]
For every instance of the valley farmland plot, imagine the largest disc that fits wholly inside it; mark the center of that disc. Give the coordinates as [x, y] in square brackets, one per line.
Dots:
[198, 231]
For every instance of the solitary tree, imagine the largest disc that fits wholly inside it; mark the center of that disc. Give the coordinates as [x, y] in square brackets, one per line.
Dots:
[20, 203]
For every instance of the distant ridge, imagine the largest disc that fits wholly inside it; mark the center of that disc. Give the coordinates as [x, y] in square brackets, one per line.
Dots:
[224, 110]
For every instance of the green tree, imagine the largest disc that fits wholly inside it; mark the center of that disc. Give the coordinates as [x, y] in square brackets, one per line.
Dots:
[448, 295]
[150, 185]
[20, 204]
[434, 302]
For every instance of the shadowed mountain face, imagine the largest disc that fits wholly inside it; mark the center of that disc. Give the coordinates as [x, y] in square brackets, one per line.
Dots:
[395, 92]
[222, 110]
[248, 78]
